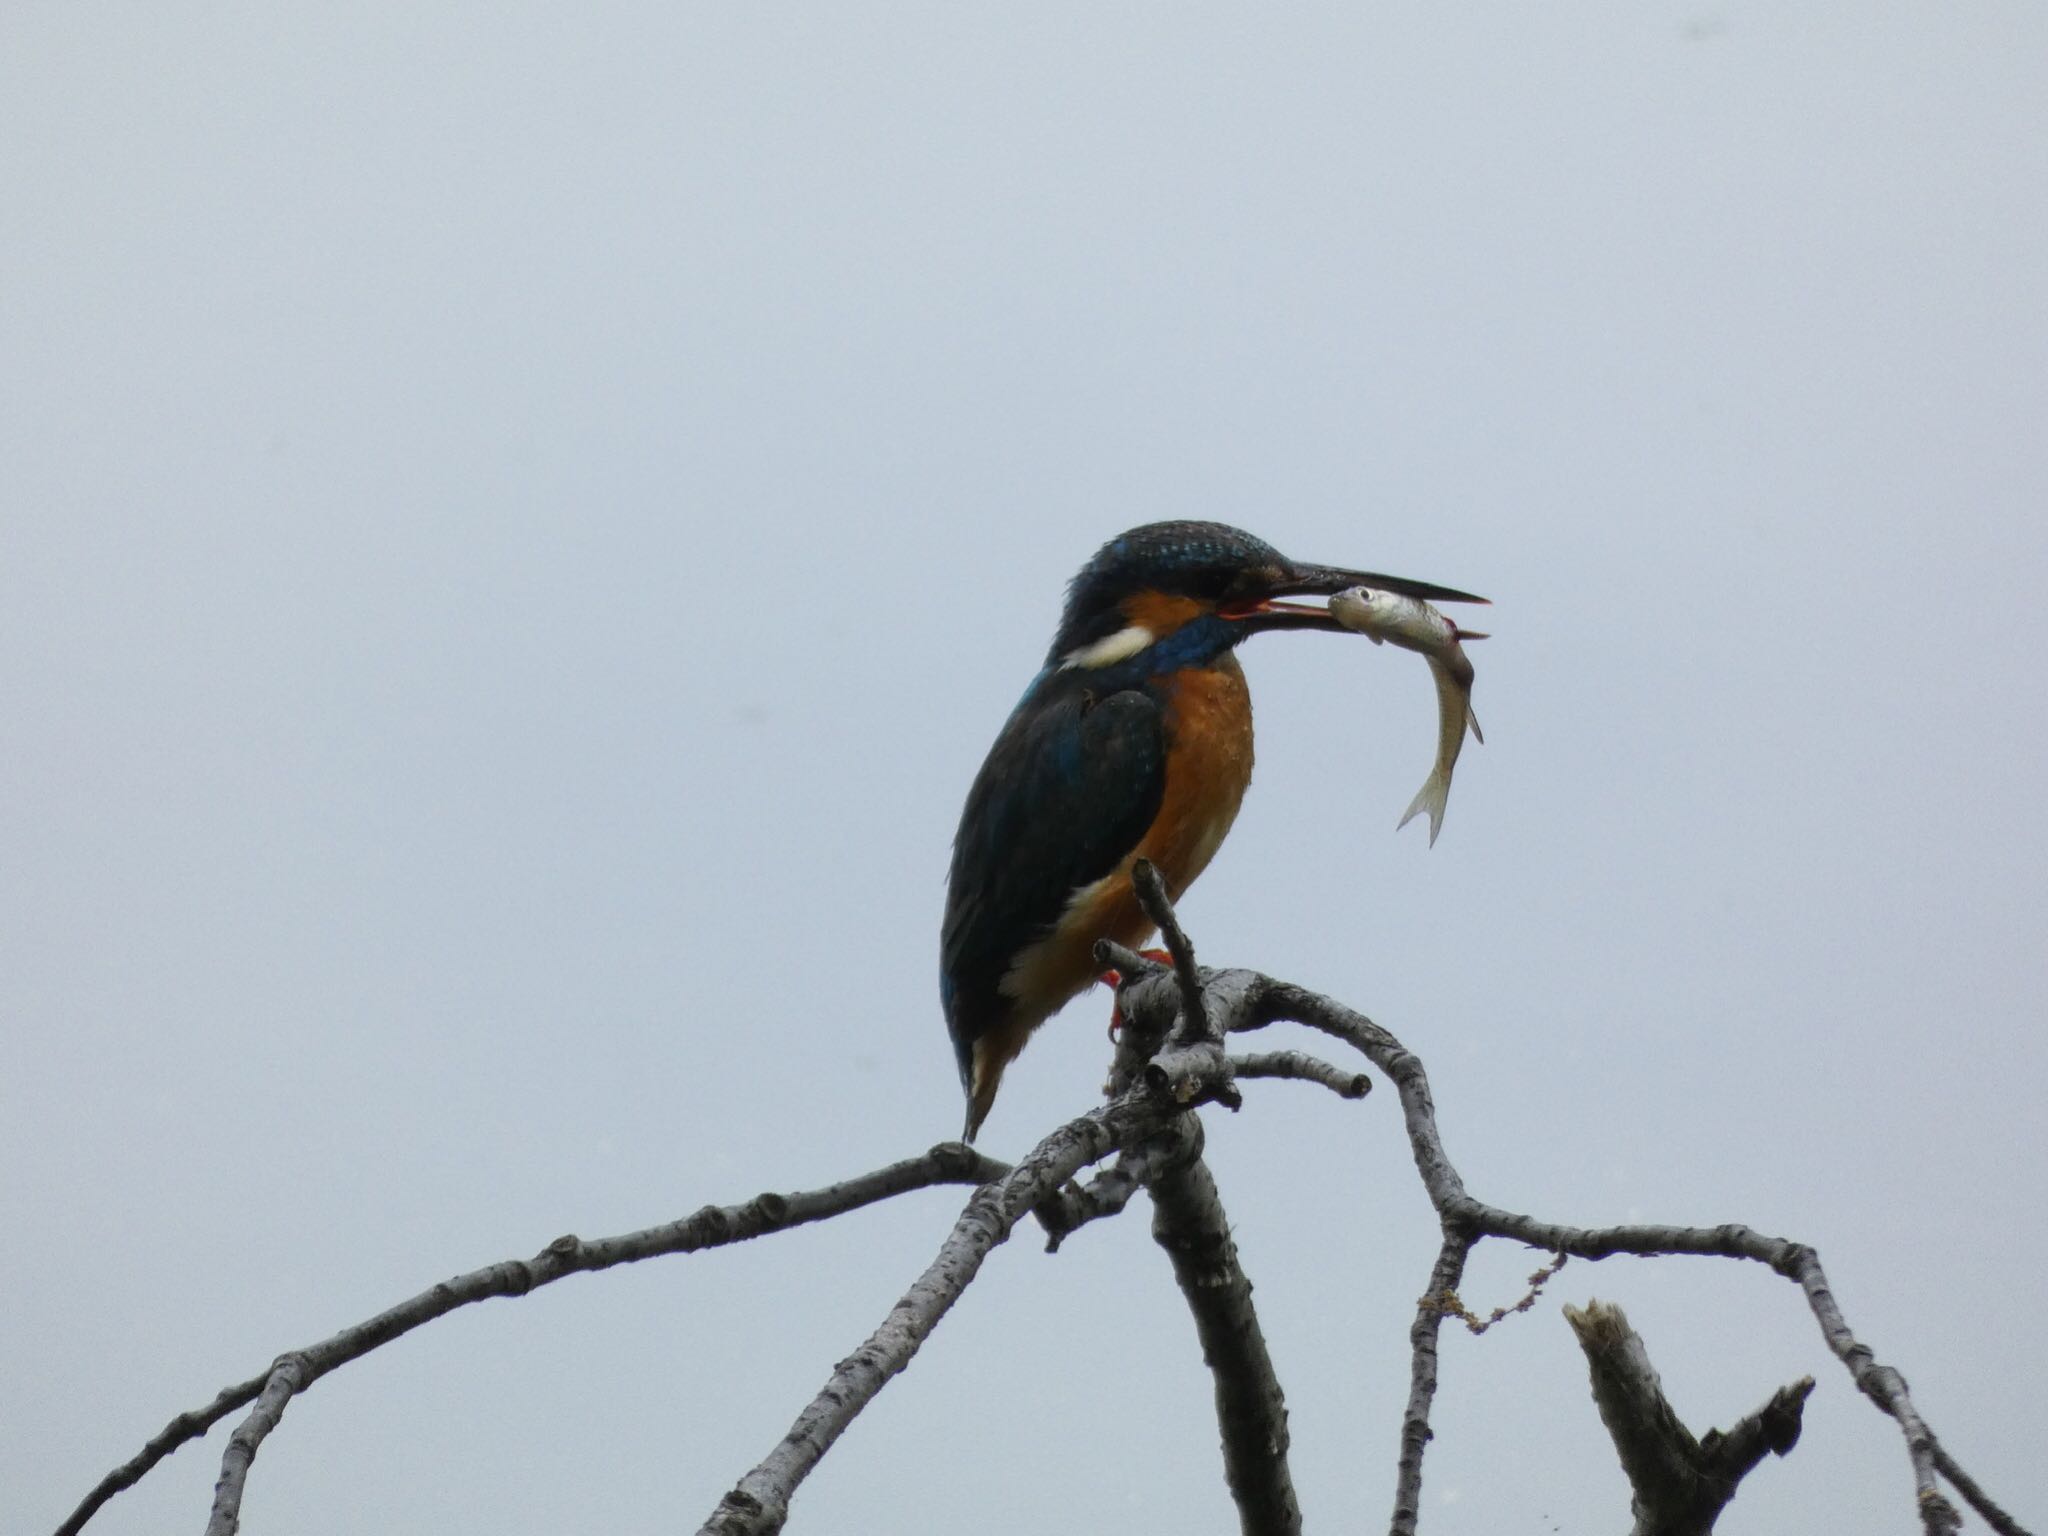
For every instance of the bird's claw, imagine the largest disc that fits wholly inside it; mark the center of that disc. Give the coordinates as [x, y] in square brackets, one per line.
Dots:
[1113, 979]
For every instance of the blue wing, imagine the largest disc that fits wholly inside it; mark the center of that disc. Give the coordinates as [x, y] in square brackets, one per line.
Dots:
[1069, 788]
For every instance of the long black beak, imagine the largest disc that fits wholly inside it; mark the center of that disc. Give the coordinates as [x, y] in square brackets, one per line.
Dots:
[1323, 581]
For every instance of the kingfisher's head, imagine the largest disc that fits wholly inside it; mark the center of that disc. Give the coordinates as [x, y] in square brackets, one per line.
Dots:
[1146, 585]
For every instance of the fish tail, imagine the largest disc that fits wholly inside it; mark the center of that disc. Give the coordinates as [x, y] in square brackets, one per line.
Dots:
[1436, 789]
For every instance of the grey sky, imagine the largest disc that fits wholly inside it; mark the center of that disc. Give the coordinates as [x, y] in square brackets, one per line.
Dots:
[518, 523]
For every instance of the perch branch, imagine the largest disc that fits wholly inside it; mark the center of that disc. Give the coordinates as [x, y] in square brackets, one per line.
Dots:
[1169, 1059]
[759, 1504]
[1189, 1223]
[1151, 893]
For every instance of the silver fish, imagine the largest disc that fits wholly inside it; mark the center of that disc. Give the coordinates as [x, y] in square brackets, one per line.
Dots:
[1414, 625]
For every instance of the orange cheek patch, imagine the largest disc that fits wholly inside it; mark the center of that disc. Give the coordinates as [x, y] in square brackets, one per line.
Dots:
[1162, 613]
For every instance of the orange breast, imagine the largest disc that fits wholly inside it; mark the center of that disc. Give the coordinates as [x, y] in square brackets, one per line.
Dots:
[1208, 765]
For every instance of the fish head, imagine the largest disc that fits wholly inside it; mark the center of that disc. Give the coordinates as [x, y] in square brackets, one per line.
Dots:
[1369, 610]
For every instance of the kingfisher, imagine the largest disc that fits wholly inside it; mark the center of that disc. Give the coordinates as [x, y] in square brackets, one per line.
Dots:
[1133, 741]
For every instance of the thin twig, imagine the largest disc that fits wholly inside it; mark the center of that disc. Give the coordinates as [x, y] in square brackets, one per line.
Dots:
[1304, 1068]
[1444, 1276]
[1128, 963]
[188, 1426]
[287, 1377]
[1975, 1496]
[1151, 893]
[1454, 1305]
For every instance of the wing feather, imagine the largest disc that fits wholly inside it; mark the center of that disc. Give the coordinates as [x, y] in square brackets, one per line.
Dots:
[1071, 785]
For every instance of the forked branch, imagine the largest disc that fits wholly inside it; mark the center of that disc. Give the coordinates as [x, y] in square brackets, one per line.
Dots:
[1169, 1060]
[1680, 1482]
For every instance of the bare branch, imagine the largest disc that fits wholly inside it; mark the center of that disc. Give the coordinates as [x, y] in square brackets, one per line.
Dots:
[1129, 963]
[1191, 1073]
[1444, 1276]
[1245, 1000]
[187, 1426]
[1169, 1059]
[759, 1504]
[1188, 1222]
[1883, 1385]
[1067, 1210]
[711, 1227]
[1976, 1497]
[1304, 1068]
[1470, 1218]
[1681, 1484]
[1151, 892]
[1192, 1063]
[287, 1377]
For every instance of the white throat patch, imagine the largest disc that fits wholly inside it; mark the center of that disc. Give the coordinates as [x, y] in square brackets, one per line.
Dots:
[1110, 649]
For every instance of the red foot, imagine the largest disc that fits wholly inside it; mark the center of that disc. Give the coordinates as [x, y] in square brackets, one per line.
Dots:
[1113, 980]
